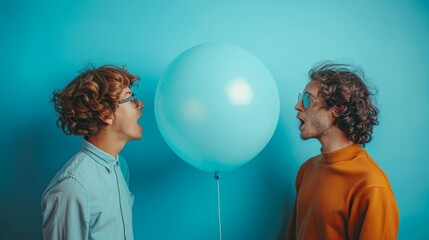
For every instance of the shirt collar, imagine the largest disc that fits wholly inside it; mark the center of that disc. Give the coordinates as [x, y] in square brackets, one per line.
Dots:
[343, 154]
[98, 155]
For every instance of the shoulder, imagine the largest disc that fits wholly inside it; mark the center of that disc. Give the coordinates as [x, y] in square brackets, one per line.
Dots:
[310, 163]
[70, 177]
[371, 173]
[74, 166]
[65, 202]
[66, 189]
[366, 178]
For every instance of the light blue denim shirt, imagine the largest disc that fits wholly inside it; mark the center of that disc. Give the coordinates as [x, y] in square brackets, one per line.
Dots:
[89, 198]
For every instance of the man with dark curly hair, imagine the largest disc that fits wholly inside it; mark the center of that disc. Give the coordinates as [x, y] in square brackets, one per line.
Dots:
[89, 197]
[341, 193]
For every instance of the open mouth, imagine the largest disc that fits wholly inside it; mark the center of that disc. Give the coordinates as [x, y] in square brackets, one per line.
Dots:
[301, 122]
[138, 121]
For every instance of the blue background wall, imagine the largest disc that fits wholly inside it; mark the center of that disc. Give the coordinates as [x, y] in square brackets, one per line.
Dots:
[44, 45]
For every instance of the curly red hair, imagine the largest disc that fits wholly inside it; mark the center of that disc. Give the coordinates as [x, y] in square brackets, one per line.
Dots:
[92, 94]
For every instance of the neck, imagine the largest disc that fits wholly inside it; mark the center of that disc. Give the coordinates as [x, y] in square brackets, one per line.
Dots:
[106, 142]
[334, 141]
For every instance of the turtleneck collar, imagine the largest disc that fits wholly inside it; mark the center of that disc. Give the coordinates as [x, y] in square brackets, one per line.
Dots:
[340, 155]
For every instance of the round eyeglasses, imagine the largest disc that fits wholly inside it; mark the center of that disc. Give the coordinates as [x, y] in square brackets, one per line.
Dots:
[132, 98]
[306, 99]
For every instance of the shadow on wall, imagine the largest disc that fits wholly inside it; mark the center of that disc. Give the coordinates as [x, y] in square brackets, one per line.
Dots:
[30, 165]
[273, 175]
[281, 173]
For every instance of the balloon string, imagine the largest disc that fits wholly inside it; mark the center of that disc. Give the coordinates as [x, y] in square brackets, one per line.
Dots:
[216, 177]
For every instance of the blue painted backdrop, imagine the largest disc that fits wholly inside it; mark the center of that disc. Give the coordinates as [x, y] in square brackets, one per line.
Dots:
[45, 43]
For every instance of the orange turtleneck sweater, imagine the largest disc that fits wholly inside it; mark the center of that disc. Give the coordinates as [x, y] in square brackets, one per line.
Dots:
[343, 195]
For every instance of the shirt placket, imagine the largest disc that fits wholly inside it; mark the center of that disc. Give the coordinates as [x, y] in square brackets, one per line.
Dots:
[122, 203]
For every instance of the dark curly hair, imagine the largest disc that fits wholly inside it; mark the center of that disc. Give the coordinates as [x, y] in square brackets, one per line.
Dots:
[343, 87]
[92, 94]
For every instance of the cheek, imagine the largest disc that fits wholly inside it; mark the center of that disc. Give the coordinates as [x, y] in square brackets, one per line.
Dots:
[313, 116]
[325, 120]
[320, 118]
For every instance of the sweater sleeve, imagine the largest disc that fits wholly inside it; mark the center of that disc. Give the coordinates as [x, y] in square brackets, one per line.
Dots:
[374, 215]
[291, 230]
[65, 211]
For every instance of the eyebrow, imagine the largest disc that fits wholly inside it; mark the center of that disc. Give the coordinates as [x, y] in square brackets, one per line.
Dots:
[309, 93]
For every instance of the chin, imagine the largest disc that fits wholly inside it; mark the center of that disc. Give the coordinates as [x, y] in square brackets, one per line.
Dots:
[136, 137]
[305, 137]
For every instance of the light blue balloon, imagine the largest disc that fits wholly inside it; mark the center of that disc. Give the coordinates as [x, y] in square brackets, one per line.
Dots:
[217, 106]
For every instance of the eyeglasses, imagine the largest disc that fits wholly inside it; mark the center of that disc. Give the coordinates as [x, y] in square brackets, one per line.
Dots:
[132, 98]
[306, 99]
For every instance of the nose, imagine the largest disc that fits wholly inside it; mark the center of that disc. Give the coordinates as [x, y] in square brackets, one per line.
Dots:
[299, 106]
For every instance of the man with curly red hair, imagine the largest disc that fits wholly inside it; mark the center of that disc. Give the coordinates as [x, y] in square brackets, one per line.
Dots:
[89, 198]
[341, 193]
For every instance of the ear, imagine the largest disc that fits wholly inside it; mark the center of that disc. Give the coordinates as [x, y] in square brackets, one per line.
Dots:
[337, 110]
[108, 119]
